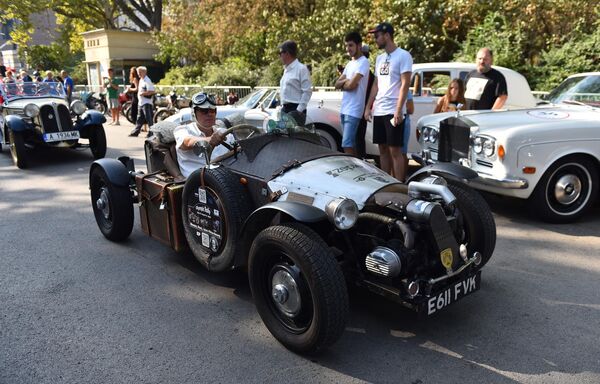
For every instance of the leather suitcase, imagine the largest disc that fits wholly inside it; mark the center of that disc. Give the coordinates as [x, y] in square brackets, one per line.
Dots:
[160, 209]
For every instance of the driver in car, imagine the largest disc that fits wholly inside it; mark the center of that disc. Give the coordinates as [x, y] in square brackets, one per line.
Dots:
[189, 137]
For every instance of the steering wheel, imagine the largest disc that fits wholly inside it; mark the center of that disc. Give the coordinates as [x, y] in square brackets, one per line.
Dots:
[209, 148]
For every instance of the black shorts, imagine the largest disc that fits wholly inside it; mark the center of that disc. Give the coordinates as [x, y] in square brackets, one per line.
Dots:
[385, 133]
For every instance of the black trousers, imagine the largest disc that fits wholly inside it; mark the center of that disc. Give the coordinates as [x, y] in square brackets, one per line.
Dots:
[145, 115]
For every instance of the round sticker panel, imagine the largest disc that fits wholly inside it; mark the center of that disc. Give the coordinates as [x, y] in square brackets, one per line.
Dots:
[204, 213]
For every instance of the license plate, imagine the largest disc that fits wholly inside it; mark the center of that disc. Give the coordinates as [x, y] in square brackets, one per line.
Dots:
[60, 136]
[452, 294]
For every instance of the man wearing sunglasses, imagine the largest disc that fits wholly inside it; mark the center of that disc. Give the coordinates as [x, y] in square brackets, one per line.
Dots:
[295, 85]
[202, 128]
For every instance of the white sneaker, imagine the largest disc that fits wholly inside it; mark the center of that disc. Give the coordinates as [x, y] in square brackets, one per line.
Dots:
[116, 123]
[111, 123]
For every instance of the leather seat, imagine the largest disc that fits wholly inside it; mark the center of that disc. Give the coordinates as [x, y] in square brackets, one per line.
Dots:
[162, 157]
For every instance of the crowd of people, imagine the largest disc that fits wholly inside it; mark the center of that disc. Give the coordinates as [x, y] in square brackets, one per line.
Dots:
[382, 95]
[13, 78]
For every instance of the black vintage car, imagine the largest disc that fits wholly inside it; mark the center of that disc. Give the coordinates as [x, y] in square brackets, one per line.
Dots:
[37, 114]
[305, 221]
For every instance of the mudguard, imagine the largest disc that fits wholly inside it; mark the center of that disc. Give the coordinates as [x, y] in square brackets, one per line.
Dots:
[90, 117]
[261, 217]
[17, 124]
[446, 170]
[115, 170]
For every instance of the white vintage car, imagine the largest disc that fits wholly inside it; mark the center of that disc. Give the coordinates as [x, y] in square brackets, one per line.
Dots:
[549, 154]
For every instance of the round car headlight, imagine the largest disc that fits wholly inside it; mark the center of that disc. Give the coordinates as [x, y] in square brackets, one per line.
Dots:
[433, 135]
[78, 107]
[31, 110]
[342, 212]
[426, 132]
[488, 147]
[478, 145]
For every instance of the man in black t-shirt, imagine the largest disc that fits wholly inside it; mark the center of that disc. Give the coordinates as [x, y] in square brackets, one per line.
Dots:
[486, 87]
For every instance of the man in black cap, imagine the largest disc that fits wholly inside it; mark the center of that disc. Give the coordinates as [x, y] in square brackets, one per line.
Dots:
[295, 85]
[387, 101]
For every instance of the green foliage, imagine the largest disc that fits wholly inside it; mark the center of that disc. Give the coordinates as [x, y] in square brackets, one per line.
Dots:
[190, 74]
[79, 73]
[271, 74]
[580, 54]
[233, 71]
[325, 73]
[497, 34]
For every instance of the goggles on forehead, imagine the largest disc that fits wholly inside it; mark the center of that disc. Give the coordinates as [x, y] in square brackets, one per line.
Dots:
[200, 99]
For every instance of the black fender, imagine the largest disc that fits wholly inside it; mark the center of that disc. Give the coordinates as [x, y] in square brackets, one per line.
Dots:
[262, 217]
[88, 120]
[17, 124]
[116, 171]
[446, 170]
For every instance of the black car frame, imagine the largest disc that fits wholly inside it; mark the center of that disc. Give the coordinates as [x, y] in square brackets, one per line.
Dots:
[37, 114]
[305, 221]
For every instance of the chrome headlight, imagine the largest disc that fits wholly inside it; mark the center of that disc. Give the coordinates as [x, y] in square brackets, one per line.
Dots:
[489, 147]
[342, 212]
[433, 135]
[478, 145]
[31, 110]
[425, 133]
[78, 107]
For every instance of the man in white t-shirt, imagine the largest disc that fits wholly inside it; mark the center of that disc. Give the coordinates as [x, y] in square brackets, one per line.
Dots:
[145, 105]
[188, 137]
[393, 69]
[353, 82]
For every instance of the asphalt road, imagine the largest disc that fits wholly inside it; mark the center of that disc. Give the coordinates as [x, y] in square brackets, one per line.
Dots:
[76, 308]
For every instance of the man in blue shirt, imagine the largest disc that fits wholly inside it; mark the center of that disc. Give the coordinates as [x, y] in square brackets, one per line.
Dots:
[68, 85]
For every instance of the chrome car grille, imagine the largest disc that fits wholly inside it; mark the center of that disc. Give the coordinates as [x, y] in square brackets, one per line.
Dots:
[55, 118]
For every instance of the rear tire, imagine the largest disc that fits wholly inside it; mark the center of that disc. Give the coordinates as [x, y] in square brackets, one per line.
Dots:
[112, 205]
[98, 142]
[161, 115]
[17, 149]
[298, 287]
[479, 227]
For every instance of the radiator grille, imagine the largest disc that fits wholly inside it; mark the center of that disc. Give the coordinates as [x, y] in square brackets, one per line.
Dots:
[48, 119]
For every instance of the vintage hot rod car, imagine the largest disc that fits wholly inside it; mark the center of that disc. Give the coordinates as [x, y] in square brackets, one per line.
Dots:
[37, 114]
[305, 221]
[549, 154]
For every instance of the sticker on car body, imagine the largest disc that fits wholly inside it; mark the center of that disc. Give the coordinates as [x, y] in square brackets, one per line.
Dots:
[549, 115]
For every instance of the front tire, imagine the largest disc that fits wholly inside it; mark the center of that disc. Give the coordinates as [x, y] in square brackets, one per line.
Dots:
[112, 205]
[298, 288]
[98, 142]
[478, 230]
[567, 190]
[17, 149]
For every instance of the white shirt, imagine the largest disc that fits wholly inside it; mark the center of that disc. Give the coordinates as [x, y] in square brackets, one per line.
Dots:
[187, 159]
[353, 102]
[295, 86]
[145, 85]
[388, 69]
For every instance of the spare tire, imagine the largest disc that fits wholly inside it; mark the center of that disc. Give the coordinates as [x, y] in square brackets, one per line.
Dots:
[214, 207]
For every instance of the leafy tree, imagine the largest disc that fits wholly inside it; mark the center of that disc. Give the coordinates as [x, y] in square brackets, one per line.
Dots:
[580, 54]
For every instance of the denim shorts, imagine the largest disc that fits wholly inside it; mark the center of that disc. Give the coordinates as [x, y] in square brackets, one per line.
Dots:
[349, 126]
[406, 133]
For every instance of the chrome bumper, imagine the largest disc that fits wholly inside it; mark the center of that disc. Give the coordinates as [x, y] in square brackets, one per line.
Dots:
[506, 182]
[482, 179]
